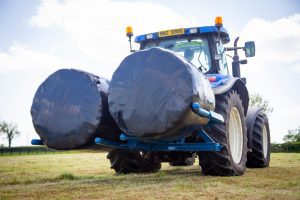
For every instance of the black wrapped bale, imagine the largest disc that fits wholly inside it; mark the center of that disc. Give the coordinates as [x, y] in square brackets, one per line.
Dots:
[70, 108]
[151, 93]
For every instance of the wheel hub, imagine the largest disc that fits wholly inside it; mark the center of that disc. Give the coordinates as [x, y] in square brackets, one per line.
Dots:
[235, 135]
[265, 141]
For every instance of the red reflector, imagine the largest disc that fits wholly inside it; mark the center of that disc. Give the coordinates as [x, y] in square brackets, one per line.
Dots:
[212, 79]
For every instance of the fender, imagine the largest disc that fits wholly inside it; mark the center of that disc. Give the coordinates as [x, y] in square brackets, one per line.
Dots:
[222, 83]
[252, 114]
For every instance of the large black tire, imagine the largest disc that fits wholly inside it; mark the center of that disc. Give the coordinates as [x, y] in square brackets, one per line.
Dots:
[183, 160]
[124, 161]
[260, 157]
[222, 163]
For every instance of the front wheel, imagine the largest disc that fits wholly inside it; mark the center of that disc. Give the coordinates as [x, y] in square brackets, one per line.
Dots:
[232, 135]
[182, 159]
[125, 161]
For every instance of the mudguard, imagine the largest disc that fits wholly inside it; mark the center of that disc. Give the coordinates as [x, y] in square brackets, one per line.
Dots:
[252, 114]
[222, 83]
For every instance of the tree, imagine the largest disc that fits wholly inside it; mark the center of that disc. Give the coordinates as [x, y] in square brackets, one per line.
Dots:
[10, 130]
[257, 100]
[293, 135]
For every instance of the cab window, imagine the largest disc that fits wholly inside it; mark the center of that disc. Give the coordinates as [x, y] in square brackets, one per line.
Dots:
[194, 50]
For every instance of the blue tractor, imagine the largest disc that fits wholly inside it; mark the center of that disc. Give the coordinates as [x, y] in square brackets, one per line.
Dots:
[226, 134]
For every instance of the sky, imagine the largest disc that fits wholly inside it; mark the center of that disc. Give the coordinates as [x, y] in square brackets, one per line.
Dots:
[38, 37]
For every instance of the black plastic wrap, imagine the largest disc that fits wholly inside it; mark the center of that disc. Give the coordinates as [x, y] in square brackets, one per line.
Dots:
[151, 93]
[70, 108]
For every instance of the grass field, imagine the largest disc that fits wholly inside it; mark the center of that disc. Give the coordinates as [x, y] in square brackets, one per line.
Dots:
[88, 176]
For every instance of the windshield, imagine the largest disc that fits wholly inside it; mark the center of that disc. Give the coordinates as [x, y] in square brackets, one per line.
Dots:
[194, 50]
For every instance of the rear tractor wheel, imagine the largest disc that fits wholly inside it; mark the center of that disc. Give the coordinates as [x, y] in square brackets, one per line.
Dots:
[260, 154]
[232, 135]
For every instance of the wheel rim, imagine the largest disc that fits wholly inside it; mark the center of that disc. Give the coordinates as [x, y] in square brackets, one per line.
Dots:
[235, 135]
[265, 141]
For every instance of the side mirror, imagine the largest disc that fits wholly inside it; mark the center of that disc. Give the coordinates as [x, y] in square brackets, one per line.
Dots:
[249, 49]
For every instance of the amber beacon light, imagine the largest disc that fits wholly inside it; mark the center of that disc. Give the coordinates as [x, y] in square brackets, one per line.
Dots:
[129, 31]
[219, 21]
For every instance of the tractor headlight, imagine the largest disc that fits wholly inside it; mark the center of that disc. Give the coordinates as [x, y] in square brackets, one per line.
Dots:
[193, 30]
[149, 36]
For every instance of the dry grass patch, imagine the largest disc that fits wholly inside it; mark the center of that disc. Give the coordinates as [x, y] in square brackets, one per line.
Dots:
[88, 176]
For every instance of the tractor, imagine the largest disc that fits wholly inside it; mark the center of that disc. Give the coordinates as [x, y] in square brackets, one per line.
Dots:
[239, 134]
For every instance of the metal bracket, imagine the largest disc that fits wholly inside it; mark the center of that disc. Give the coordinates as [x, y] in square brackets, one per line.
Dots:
[37, 142]
[133, 143]
[211, 115]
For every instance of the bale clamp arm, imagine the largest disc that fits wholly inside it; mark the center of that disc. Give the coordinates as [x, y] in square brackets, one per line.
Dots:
[135, 143]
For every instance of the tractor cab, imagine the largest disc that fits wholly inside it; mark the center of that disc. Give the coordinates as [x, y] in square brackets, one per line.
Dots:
[202, 46]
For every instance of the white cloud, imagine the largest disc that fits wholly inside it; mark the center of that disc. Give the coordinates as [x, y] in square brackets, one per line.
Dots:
[97, 28]
[277, 52]
[278, 39]
[296, 68]
[20, 58]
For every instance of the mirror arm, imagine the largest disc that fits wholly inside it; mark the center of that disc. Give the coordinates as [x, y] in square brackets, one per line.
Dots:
[243, 62]
[233, 48]
[236, 60]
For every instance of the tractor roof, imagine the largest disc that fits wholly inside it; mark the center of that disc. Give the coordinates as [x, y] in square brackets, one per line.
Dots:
[183, 32]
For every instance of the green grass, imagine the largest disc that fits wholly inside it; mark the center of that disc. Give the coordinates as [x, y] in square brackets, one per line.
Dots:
[88, 176]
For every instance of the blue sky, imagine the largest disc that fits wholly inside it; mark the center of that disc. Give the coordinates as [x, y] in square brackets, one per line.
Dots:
[39, 37]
